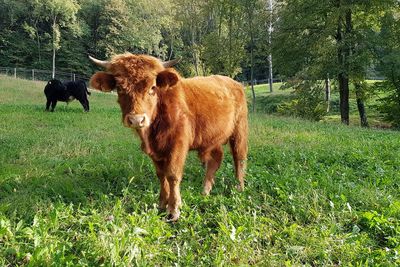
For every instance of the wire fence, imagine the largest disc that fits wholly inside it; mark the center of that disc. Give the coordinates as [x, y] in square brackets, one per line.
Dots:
[263, 81]
[41, 75]
[46, 75]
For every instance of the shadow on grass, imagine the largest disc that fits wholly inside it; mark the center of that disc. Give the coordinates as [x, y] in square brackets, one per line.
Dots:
[269, 103]
[97, 182]
[25, 193]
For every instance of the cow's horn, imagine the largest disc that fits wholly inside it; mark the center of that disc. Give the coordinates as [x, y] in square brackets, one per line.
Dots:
[100, 63]
[171, 63]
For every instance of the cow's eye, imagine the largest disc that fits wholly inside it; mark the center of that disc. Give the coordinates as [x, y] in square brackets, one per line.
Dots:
[152, 90]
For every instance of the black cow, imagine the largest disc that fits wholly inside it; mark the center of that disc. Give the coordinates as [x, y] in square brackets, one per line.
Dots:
[55, 91]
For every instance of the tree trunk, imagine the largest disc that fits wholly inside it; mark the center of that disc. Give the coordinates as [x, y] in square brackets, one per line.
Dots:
[252, 59]
[230, 65]
[360, 105]
[271, 78]
[344, 98]
[38, 43]
[195, 59]
[191, 10]
[343, 53]
[53, 74]
[252, 80]
[363, 114]
[327, 93]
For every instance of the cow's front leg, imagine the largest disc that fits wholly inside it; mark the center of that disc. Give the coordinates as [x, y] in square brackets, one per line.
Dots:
[174, 200]
[174, 173]
[164, 185]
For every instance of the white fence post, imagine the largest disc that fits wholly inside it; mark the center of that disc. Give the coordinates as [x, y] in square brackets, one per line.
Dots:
[33, 74]
[15, 73]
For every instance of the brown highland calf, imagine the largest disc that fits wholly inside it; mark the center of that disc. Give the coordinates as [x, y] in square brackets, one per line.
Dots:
[173, 115]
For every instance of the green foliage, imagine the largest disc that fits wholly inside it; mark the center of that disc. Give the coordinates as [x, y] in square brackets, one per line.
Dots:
[224, 44]
[316, 38]
[113, 27]
[311, 39]
[388, 54]
[76, 190]
[308, 102]
[389, 105]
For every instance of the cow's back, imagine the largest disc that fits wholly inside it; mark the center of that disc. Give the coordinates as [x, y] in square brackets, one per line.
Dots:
[215, 104]
[55, 90]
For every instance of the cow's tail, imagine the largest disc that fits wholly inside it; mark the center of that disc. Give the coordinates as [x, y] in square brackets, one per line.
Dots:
[87, 91]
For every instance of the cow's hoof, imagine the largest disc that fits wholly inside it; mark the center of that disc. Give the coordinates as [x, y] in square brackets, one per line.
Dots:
[207, 187]
[240, 188]
[206, 191]
[173, 217]
[162, 208]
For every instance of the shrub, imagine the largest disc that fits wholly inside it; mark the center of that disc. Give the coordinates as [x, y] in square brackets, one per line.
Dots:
[309, 102]
[390, 105]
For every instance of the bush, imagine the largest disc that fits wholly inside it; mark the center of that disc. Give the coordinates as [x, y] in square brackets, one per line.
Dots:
[390, 105]
[309, 102]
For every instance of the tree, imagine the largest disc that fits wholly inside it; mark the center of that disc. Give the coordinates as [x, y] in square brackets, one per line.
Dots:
[314, 38]
[113, 28]
[224, 43]
[250, 7]
[15, 42]
[271, 7]
[60, 14]
[194, 22]
[387, 52]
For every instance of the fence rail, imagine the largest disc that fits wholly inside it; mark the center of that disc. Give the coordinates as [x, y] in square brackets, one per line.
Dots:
[41, 75]
[45, 75]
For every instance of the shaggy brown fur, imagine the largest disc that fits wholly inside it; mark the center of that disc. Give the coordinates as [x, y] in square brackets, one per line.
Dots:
[173, 115]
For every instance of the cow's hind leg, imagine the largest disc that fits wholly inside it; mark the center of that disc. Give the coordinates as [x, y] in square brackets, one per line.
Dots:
[212, 161]
[85, 104]
[238, 144]
[53, 105]
[48, 104]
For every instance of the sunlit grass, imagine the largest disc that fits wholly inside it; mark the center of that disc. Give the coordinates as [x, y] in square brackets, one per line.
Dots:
[75, 189]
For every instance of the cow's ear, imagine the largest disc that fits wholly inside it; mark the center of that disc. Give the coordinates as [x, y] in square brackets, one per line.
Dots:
[167, 77]
[102, 81]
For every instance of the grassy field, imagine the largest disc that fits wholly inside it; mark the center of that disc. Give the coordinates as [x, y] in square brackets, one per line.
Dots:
[75, 190]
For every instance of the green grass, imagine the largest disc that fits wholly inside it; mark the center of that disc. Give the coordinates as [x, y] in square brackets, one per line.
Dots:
[75, 190]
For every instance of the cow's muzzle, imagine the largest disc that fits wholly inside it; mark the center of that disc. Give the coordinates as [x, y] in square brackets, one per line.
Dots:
[137, 121]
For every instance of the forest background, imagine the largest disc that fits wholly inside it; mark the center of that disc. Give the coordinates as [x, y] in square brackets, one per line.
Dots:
[306, 43]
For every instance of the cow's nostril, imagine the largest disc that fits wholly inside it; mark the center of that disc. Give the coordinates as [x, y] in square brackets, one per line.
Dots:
[136, 121]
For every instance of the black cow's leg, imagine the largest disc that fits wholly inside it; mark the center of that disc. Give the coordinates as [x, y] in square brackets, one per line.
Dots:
[48, 104]
[87, 105]
[83, 103]
[53, 105]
